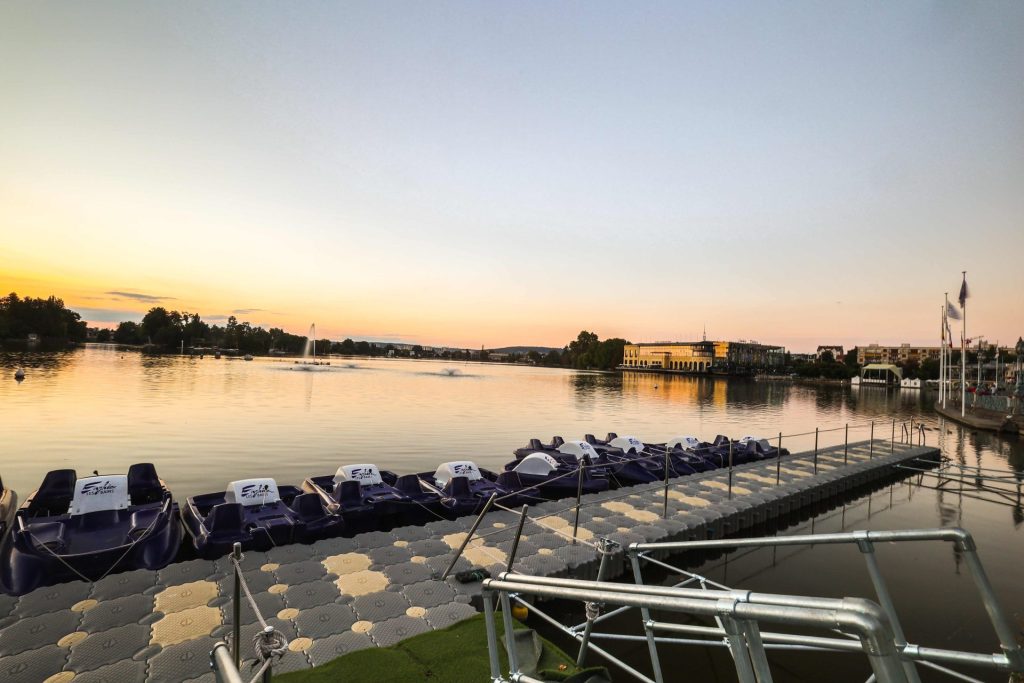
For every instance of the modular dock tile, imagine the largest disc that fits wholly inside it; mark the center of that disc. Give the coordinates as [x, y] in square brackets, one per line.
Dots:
[187, 572]
[127, 583]
[124, 671]
[429, 593]
[107, 647]
[391, 631]
[291, 553]
[32, 666]
[300, 572]
[114, 612]
[51, 599]
[377, 607]
[389, 554]
[444, 616]
[181, 662]
[325, 620]
[32, 633]
[308, 595]
[332, 647]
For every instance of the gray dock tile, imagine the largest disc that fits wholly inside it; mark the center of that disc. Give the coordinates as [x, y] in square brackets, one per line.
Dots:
[325, 620]
[395, 630]
[548, 540]
[379, 606]
[311, 594]
[300, 572]
[126, 583]
[251, 560]
[334, 546]
[327, 649]
[125, 671]
[389, 554]
[407, 573]
[429, 593]
[410, 533]
[257, 580]
[32, 666]
[108, 647]
[374, 539]
[51, 599]
[444, 616]
[111, 613]
[31, 633]
[430, 547]
[187, 572]
[440, 563]
[291, 553]
[7, 603]
[181, 662]
[269, 603]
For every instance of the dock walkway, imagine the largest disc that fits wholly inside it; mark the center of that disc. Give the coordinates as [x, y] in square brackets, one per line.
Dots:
[341, 595]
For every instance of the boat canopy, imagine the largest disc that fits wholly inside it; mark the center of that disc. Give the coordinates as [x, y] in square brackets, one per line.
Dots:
[685, 442]
[252, 492]
[457, 468]
[578, 449]
[537, 463]
[627, 444]
[93, 494]
[366, 475]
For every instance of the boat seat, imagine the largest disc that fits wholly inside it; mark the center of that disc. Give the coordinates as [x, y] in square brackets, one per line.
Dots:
[349, 493]
[611, 435]
[409, 484]
[143, 484]
[591, 439]
[557, 441]
[54, 494]
[47, 536]
[510, 480]
[308, 507]
[225, 519]
[457, 487]
[141, 521]
[536, 445]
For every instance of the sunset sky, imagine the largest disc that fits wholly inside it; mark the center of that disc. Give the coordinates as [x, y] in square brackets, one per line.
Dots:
[470, 174]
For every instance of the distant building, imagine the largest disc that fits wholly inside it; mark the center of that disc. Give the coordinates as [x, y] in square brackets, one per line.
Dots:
[837, 352]
[874, 353]
[703, 357]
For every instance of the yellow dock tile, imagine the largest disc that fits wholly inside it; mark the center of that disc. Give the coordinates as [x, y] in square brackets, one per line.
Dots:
[689, 500]
[185, 625]
[185, 596]
[362, 582]
[347, 563]
[723, 486]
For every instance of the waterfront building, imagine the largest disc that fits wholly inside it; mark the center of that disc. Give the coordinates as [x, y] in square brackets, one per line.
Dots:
[895, 355]
[837, 352]
[703, 356]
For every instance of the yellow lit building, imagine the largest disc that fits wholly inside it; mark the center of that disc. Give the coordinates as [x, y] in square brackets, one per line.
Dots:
[702, 356]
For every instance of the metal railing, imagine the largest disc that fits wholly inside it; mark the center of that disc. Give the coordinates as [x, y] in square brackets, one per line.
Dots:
[871, 628]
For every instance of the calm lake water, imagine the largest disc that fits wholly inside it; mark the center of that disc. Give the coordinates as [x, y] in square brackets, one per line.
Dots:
[205, 422]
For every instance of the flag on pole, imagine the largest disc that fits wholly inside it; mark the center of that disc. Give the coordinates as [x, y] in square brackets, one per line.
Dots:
[963, 292]
[952, 312]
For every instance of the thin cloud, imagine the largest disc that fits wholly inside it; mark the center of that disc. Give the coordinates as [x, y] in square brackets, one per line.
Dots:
[143, 298]
[247, 311]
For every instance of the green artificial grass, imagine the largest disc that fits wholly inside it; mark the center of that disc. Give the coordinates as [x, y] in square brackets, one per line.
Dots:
[456, 654]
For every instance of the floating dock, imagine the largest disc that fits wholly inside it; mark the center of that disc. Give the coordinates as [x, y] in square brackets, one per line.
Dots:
[340, 595]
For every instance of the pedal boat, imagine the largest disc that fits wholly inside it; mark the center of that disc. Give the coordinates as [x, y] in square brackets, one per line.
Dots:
[85, 528]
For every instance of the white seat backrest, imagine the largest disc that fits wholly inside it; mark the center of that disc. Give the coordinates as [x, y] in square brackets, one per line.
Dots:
[537, 463]
[100, 493]
[366, 475]
[252, 492]
[627, 444]
[684, 442]
[578, 449]
[456, 468]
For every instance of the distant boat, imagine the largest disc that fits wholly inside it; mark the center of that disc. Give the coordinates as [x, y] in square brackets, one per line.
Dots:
[247, 356]
[19, 374]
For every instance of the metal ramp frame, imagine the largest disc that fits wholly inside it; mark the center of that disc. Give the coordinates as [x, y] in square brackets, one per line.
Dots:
[853, 624]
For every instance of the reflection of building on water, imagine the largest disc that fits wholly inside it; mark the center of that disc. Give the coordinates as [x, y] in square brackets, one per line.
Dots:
[702, 357]
[689, 390]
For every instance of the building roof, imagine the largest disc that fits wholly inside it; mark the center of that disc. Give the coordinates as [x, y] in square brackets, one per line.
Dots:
[881, 366]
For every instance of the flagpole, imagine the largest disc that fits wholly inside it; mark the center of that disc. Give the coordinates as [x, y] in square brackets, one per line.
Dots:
[942, 358]
[963, 354]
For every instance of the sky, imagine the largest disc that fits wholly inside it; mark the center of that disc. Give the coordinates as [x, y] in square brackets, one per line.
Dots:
[483, 173]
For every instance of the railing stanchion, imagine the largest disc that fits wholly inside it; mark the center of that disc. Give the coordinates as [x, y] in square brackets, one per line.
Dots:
[472, 530]
[605, 548]
[664, 512]
[815, 450]
[236, 609]
[730, 469]
[910, 434]
[778, 462]
[871, 443]
[515, 541]
[579, 495]
[267, 674]
[892, 444]
[846, 445]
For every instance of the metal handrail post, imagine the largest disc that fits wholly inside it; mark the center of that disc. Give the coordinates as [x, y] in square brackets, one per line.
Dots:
[224, 669]
[871, 443]
[910, 434]
[236, 609]
[605, 546]
[492, 635]
[892, 443]
[1007, 638]
[738, 649]
[846, 445]
[815, 450]
[510, 638]
[267, 673]
[867, 549]
[778, 462]
[645, 615]
[472, 530]
[730, 469]
[664, 513]
[756, 650]
[515, 541]
[579, 496]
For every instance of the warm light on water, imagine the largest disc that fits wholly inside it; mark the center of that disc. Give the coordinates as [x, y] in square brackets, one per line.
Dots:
[205, 422]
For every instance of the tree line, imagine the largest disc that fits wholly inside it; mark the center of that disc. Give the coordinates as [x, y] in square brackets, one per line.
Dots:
[48, 318]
